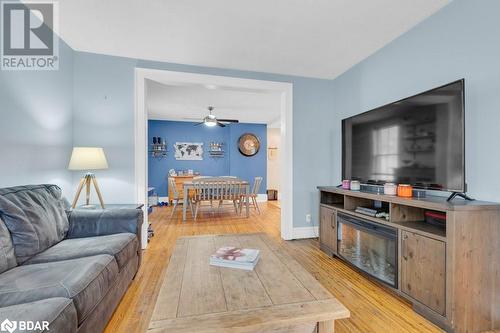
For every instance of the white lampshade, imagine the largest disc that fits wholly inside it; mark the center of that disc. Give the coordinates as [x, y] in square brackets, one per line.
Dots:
[87, 158]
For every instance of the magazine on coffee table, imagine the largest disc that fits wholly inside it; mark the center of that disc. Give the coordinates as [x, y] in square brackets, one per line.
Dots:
[235, 257]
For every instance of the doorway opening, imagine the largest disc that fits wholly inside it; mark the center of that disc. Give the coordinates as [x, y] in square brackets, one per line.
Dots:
[143, 75]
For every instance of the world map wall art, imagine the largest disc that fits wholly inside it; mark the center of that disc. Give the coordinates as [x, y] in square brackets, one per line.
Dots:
[188, 151]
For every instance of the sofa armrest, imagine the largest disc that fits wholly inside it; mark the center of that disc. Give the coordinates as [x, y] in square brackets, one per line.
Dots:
[89, 223]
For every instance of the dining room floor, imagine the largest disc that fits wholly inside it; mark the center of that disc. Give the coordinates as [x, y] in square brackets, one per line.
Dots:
[374, 308]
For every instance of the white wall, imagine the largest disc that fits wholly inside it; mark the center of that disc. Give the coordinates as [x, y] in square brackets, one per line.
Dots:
[273, 158]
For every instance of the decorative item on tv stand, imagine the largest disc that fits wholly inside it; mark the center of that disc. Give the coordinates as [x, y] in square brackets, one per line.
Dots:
[390, 189]
[216, 149]
[355, 185]
[158, 148]
[405, 190]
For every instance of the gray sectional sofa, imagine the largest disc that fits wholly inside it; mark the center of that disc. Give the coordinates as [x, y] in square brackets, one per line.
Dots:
[69, 268]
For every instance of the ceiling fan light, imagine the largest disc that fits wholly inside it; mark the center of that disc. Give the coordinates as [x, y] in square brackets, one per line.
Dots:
[210, 122]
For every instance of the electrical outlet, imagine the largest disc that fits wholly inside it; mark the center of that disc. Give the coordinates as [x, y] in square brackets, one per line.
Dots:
[308, 218]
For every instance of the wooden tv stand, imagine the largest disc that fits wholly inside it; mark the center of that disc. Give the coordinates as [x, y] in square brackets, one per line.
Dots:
[451, 275]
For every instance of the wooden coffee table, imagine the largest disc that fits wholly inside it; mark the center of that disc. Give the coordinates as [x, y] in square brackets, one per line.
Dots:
[279, 295]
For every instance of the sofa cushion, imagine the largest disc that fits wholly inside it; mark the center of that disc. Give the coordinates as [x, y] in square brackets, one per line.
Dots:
[35, 216]
[85, 280]
[60, 313]
[7, 256]
[122, 246]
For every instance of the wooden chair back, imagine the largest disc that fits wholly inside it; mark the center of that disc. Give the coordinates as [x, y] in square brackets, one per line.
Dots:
[202, 177]
[256, 185]
[173, 187]
[217, 189]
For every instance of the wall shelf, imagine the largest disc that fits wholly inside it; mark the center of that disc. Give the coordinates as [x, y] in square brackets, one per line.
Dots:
[158, 149]
[216, 149]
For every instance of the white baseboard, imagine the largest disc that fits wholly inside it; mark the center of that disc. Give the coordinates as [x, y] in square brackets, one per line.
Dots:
[261, 197]
[305, 232]
[163, 199]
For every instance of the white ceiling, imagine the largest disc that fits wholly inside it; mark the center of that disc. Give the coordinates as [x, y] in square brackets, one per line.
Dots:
[313, 38]
[189, 103]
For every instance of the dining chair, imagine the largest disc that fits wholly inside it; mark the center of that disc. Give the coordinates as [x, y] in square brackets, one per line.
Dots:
[202, 192]
[252, 195]
[216, 189]
[231, 191]
[176, 197]
[236, 191]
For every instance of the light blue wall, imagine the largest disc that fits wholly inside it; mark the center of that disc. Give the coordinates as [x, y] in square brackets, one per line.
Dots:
[460, 41]
[103, 116]
[36, 125]
[233, 163]
[109, 121]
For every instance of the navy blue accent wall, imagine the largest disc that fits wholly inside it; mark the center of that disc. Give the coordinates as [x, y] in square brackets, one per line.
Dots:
[248, 167]
[232, 164]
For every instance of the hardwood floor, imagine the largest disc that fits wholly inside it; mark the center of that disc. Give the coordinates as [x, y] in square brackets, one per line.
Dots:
[373, 307]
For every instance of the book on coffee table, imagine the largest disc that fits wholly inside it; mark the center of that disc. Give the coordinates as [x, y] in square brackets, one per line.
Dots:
[234, 257]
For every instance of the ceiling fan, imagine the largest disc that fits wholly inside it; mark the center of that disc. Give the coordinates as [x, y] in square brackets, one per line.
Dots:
[211, 120]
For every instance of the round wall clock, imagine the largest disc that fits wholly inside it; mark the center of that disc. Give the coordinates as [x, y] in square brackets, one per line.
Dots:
[248, 144]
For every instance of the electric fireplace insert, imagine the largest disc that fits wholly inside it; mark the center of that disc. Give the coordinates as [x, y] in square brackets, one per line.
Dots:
[370, 246]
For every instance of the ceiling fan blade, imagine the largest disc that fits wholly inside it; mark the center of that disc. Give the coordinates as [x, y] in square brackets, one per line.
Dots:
[229, 120]
[220, 124]
[192, 119]
[199, 123]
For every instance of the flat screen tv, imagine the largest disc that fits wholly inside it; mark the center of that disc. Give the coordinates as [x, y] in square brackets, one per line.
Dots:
[418, 140]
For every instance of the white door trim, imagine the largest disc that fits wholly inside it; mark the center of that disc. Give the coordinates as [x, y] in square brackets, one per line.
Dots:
[141, 125]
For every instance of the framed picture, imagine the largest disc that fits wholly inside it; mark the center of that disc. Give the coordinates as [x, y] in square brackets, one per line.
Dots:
[188, 151]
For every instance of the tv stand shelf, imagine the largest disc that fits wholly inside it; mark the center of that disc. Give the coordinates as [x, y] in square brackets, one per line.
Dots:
[429, 202]
[423, 228]
[441, 270]
[414, 226]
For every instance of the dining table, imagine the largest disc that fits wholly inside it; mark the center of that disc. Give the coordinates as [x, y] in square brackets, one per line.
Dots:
[188, 185]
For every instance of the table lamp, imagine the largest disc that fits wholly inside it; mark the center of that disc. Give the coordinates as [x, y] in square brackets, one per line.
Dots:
[87, 158]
